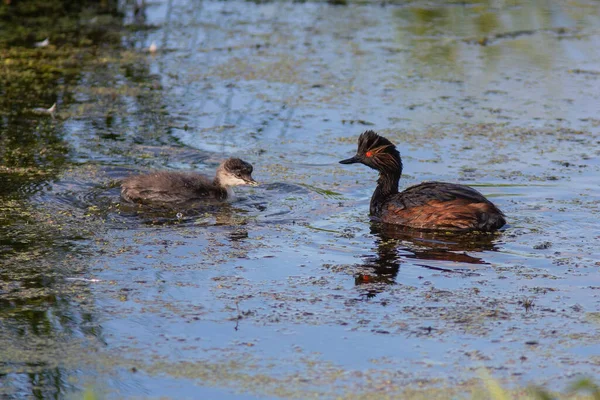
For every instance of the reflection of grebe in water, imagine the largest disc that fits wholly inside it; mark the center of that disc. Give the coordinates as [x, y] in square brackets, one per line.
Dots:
[382, 268]
[185, 187]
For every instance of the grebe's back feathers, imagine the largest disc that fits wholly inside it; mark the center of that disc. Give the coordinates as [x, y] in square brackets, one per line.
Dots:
[444, 205]
[170, 187]
[417, 195]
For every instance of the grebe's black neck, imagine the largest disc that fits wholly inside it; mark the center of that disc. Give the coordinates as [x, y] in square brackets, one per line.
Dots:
[387, 185]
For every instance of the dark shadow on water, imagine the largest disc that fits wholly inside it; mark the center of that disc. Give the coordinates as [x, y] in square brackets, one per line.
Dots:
[50, 204]
[438, 251]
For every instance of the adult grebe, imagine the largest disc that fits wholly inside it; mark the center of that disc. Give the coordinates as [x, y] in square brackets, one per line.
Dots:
[429, 205]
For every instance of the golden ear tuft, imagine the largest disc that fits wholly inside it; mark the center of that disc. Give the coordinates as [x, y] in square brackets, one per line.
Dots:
[378, 150]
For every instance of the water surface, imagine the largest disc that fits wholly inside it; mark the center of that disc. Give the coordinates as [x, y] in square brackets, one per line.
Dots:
[292, 292]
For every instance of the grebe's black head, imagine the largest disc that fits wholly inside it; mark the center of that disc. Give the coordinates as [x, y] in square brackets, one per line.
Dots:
[376, 152]
[234, 171]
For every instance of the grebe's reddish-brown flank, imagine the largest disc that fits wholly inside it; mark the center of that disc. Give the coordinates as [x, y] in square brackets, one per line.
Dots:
[429, 205]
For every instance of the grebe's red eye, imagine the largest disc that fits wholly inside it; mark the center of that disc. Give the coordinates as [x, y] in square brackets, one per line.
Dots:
[369, 154]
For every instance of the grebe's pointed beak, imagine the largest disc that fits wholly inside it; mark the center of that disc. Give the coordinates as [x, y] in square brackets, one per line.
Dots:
[352, 160]
[251, 182]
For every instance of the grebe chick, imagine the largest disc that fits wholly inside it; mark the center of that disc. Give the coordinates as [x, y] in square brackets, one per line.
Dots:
[429, 205]
[183, 187]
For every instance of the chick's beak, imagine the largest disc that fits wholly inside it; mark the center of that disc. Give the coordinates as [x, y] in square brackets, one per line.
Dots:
[250, 181]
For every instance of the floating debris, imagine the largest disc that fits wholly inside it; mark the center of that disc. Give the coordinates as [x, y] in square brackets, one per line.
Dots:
[84, 279]
[584, 71]
[543, 246]
[357, 121]
[50, 111]
[43, 43]
[485, 40]
[153, 48]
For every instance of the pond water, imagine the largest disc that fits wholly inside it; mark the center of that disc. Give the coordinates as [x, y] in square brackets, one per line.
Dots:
[291, 291]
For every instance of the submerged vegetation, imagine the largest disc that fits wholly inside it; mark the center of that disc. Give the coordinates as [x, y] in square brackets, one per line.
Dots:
[484, 389]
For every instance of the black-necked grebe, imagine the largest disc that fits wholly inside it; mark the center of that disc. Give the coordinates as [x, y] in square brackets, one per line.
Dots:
[183, 187]
[430, 205]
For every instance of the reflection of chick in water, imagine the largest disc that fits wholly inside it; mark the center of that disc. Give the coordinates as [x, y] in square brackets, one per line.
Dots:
[198, 213]
[434, 246]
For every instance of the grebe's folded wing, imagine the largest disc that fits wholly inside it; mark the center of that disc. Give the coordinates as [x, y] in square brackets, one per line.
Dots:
[439, 205]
